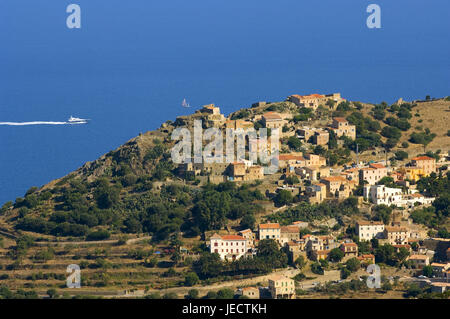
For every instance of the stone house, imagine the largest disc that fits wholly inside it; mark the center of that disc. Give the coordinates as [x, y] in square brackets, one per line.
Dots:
[281, 287]
[341, 127]
[270, 231]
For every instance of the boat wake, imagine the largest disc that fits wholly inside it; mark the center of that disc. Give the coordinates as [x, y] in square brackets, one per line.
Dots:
[33, 123]
[70, 121]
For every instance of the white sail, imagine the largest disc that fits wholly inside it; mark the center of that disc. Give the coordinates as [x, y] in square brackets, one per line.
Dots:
[185, 104]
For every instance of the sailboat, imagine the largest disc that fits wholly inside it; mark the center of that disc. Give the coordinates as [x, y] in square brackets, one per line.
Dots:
[185, 104]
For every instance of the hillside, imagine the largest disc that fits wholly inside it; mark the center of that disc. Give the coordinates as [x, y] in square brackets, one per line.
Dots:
[123, 182]
[126, 217]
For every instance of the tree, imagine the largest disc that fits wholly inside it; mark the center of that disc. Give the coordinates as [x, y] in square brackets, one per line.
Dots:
[269, 252]
[336, 255]
[353, 264]
[294, 143]
[427, 271]
[170, 295]
[291, 180]
[52, 293]
[374, 243]
[378, 114]
[332, 142]
[283, 197]
[319, 150]
[382, 213]
[345, 273]
[390, 143]
[191, 279]
[413, 290]
[387, 181]
[211, 295]
[106, 195]
[210, 212]
[208, 265]
[192, 294]
[300, 262]
[248, 221]
[386, 254]
[402, 254]
[225, 293]
[364, 247]
[98, 235]
[423, 138]
[401, 155]
[391, 132]
[316, 268]
[386, 286]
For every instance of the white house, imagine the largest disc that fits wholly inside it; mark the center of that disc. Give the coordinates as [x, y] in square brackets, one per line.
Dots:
[370, 229]
[229, 247]
[270, 231]
[412, 199]
[380, 194]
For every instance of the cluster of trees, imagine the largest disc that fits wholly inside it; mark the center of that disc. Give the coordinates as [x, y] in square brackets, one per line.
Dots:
[342, 288]
[423, 138]
[395, 124]
[366, 131]
[387, 181]
[344, 106]
[401, 155]
[337, 156]
[305, 113]
[294, 143]
[74, 215]
[173, 209]
[435, 215]
[5, 293]
[308, 212]
[216, 203]
[350, 266]
[363, 123]
[242, 114]
[268, 258]
[414, 291]
[401, 124]
[19, 251]
[365, 141]
[382, 213]
[388, 255]
[159, 214]
[43, 226]
[434, 186]
[31, 199]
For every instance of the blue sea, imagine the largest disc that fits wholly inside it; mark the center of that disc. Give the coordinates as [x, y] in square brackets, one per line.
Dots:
[133, 62]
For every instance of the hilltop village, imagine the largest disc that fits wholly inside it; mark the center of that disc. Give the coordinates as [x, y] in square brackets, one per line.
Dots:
[357, 184]
[306, 176]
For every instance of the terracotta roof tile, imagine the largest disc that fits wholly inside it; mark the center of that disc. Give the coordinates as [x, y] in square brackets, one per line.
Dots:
[269, 226]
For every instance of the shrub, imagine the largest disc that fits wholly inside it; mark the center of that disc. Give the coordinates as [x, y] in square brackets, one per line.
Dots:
[401, 155]
[191, 279]
[336, 255]
[316, 268]
[98, 235]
